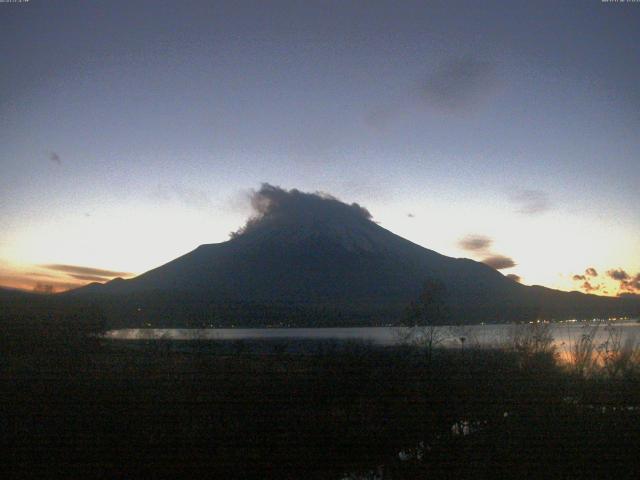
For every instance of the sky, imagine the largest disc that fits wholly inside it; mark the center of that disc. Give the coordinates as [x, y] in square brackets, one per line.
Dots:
[133, 131]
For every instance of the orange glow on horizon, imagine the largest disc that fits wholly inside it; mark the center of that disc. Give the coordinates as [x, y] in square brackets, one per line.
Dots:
[34, 278]
[137, 239]
[37, 284]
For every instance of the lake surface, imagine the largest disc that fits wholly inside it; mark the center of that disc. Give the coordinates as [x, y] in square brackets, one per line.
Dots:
[564, 334]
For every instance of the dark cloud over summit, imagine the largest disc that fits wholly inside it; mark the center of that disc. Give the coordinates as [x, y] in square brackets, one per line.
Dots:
[275, 204]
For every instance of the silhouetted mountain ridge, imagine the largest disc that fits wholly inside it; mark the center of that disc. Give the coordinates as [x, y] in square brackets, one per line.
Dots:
[309, 259]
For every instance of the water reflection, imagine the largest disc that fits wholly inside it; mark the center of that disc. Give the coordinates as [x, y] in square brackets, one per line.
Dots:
[566, 337]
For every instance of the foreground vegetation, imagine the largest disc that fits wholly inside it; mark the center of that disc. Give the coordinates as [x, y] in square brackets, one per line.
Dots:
[79, 408]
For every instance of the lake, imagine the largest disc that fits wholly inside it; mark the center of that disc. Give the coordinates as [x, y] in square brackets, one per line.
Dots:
[564, 334]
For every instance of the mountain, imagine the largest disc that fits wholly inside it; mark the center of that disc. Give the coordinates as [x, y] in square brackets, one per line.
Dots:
[7, 292]
[309, 259]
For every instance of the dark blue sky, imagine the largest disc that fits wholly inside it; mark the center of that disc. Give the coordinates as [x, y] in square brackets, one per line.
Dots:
[131, 131]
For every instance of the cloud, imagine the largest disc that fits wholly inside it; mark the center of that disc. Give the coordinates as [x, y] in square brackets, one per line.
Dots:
[499, 262]
[530, 202]
[29, 281]
[591, 272]
[41, 274]
[55, 158]
[91, 278]
[631, 285]
[381, 117]
[514, 277]
[626, 283]
[459, 83]
[188, 196]
[480, 246]
[618, 274]
[475, 243]
[587, 287]
[81, 273]
[273, 204]
[50, 280]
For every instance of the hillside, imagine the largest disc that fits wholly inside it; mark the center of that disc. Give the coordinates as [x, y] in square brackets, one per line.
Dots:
[309, 259]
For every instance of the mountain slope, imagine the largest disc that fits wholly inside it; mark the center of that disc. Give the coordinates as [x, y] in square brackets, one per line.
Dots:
[321, 258]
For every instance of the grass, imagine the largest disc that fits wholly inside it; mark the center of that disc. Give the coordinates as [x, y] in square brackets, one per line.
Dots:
[255, 410]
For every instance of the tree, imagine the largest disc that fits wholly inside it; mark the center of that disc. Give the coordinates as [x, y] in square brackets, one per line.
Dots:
[424, 318]
[430, 307]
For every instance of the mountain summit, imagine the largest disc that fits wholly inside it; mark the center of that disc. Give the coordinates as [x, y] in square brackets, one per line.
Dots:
[304, 215]
[309, 259]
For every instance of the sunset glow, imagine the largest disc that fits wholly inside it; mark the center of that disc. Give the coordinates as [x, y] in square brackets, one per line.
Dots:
[121, 151]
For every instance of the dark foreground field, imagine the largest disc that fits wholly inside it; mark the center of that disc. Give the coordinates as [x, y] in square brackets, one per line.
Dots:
[344, 410]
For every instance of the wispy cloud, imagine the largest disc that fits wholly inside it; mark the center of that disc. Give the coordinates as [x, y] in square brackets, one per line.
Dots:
[626, 283]
[618, 274]
[380, 118]
[480, 247]
[475, 243]
[586, 281]
[37, 283]
[499, 262]
[188, 196]
[589, 288]
[55, 158]
[514, 277]
[91, 278]
[86, 273]
[459, 83]
[530, 202]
